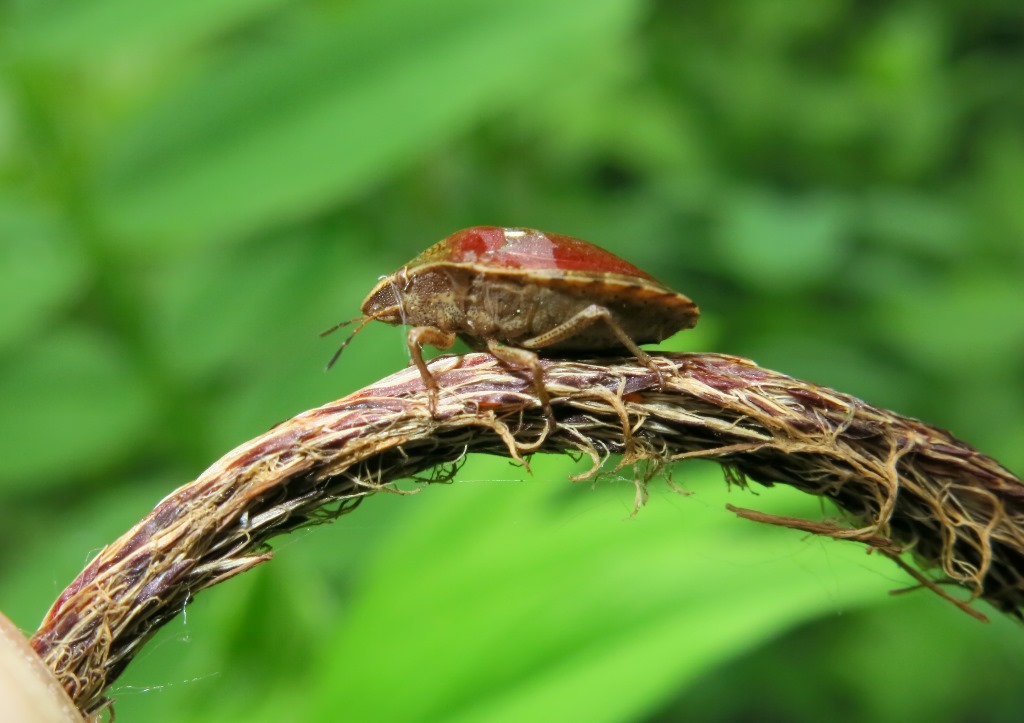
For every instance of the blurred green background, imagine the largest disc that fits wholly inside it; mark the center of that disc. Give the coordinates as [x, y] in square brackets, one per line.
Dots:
[191, 191]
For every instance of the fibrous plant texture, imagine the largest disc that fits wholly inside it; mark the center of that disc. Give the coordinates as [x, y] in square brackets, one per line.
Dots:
[942, 510]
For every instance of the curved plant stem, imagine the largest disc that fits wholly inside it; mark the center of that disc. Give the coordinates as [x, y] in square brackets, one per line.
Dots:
[904, 486]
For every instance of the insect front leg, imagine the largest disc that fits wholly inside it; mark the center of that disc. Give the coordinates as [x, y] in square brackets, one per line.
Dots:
[417, 337]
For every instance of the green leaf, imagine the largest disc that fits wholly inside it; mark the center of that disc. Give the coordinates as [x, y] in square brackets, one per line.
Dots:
[70, 403]
[101, 29]
[513, 601]
[969, 323]
[310, 117]
[925, 224]
[779, 242]
[40, 271]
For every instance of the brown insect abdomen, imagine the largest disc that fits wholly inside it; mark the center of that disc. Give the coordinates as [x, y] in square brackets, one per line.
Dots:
[511, 311]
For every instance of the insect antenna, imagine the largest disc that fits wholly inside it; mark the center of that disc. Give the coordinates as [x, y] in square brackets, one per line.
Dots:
[363, 321]
[340, 324]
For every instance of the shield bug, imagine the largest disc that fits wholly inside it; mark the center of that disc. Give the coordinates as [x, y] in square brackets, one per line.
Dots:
[516, 291]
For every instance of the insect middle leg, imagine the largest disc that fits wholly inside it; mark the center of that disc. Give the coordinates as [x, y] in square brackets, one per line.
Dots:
[516, 357]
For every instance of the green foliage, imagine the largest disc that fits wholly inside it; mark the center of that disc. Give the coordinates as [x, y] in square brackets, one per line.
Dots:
[190, 192]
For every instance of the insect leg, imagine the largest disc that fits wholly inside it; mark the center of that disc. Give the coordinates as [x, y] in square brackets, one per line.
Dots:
[580, 321]
[417, 337]
[516, 357]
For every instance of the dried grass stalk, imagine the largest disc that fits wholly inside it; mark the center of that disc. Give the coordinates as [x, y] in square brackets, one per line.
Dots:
[903, 485]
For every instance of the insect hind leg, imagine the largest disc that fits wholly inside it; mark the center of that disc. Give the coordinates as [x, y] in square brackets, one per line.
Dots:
[579, 321]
